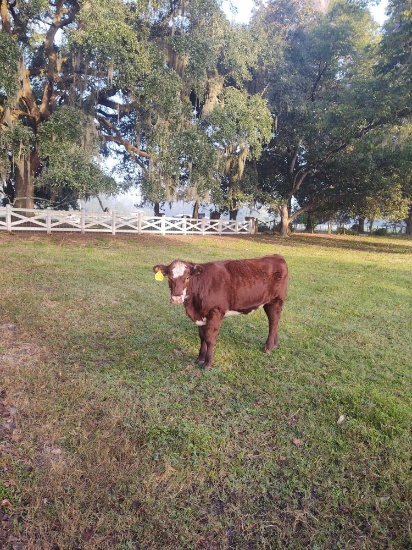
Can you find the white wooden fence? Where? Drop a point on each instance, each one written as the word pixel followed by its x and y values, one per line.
pixel 24 219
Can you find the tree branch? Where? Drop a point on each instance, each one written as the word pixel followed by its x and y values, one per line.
pixel 133 151
pixel 51 53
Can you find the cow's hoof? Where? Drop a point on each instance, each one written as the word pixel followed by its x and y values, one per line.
pixel 207 367
pixel 200 361
pixel 266 350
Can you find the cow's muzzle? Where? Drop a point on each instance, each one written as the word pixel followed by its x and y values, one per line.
pixel 176 299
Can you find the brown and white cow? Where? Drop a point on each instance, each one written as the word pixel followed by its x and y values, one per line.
pixel 214 290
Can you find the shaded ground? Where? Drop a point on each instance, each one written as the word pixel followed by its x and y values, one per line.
pixel 388 244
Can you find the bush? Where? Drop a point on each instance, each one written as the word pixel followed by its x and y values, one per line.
pixel 382 231
pixel 344 231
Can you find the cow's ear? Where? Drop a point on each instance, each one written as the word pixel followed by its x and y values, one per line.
pixel 163 268
pixel 196 269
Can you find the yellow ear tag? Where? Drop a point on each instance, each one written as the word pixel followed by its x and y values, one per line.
pixel 159 276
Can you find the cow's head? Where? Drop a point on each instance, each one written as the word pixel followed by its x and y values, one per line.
pixel 179 274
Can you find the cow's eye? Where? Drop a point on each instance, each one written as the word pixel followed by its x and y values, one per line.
pixel 187 279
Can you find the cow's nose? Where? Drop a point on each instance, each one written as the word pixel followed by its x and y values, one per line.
pixel 176 300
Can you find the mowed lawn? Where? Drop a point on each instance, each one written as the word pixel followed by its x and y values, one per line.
pixel 113 438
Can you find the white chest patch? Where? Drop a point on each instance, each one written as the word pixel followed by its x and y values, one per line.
pixel 178 270
pixel 201 323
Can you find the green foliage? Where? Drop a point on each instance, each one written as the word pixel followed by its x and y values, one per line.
pixel 381 231
pixel 389 203
pixel 241 120
pixel 344 231
pixel 198 39
pixel 396 46
pixel 107 35
pixel 184 165
pixel 326 99
pixel 269 108
pixel 32 10
pixel 16 142
pixel 77 172
pixel 67 127
pixel 9 58
pixel 240 55
pixel 68 142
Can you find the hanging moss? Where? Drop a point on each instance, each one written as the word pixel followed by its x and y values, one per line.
pixel 9 65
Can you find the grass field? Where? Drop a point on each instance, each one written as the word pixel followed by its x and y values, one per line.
pixel 113 438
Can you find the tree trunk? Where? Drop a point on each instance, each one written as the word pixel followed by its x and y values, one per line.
pixel 284 220
pixel 361 224
pixel 310 225
pixel 157 209
pixel 329 227
pixel 408 221
pixel 195 213
pixel 24 186
pixel 233 214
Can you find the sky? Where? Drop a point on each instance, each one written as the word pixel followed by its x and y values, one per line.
pixel 244 8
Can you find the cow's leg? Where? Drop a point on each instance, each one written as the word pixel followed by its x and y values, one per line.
pixel 203 346
pixel 273 311
pixel 211 330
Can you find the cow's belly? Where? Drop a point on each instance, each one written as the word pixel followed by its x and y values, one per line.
pixel 230 313
pixel 233 305
pixel 246 311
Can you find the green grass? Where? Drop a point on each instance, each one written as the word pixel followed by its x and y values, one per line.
pixel 122 442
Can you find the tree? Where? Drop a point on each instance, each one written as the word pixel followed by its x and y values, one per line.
pixel 395 70
pixel 226 123
pixel 60 54
pixel 388 204
pixel 239 125
pixel 323 97
pixel 396 47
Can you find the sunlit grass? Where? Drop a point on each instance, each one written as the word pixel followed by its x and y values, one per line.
pixel 121 441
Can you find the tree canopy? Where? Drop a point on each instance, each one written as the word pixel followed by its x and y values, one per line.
pixel 306 108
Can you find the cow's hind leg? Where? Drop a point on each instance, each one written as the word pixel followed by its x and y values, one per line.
pixel 203 345
pixel 273 311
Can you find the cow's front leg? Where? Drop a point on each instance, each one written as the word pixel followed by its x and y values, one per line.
pixel 273 311
pixel 203 346
pixel 211 330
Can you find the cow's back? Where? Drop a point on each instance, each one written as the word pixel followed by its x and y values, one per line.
pixel 239 285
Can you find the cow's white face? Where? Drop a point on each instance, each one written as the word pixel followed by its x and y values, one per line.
pixel 178 273
pixel 179 276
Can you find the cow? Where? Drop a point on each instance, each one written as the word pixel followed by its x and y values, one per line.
pixel 214 290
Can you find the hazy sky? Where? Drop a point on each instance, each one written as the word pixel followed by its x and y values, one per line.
pixel 244 8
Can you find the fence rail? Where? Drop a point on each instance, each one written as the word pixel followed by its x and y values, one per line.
pixel 50 221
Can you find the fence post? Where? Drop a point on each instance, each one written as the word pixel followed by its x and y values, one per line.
pixel 113 222
pixel 82 221
pixel 203 226
pixel 236 226
pixel 220 227
pixel 184 227
pixel 8 217
pixel 139 222
pixel 48 221
pixel 163 225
